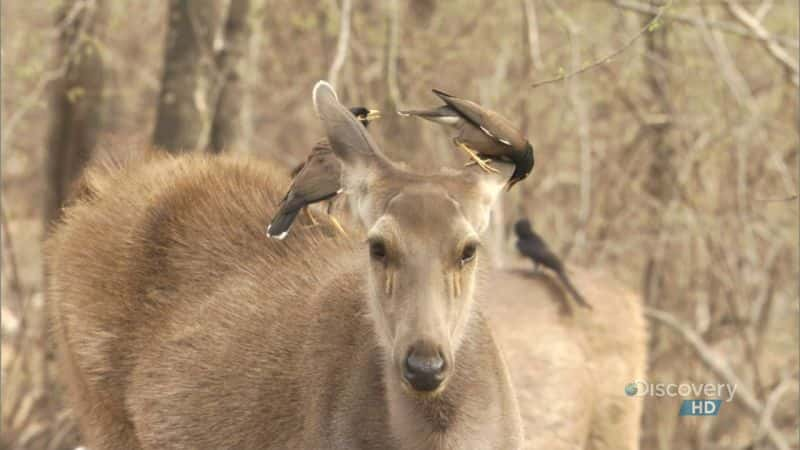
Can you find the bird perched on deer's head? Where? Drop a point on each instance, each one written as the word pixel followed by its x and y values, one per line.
pixel 481 132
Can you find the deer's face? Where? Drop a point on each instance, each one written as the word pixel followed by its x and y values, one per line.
pixel 423 252
pixel 423 242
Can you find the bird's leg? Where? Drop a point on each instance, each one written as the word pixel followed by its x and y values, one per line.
pixel 337 225
pixel 310 217
pixel 482 163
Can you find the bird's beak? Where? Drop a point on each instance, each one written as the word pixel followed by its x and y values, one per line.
pixel 373 114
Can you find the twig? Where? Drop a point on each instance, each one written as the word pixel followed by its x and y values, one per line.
pixel 730 73
pixel 13 268
pixel 726 27
pixel 787 383
pixel 50 76
pixel 31 101
pixel 342 44
pixel 532 30
pixel 585 144
pixel 604 60
pixel 777 52
pixel 722 369
pixel 785 199
pixel 392 42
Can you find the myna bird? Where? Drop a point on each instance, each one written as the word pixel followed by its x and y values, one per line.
pixel 534 247
pixel 315 180
pixel 482 132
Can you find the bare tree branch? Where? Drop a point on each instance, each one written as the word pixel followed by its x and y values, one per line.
pixel 76 104
pixel 11 262
pixel 726 27
pixel 342 44
pixel 785 199
pixel 606 59
pixel 392 43
pixel 722 369
pixel 226 126
pixel 532 28
pixel 189 77
pixel 777 52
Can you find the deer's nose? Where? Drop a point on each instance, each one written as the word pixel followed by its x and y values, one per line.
pixel 424 368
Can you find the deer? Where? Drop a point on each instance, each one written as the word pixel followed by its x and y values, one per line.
pixel 180 325
pixel 569 368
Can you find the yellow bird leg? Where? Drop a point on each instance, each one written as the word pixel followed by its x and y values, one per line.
pixel 310 217
pixel 338 226
pixel 482 163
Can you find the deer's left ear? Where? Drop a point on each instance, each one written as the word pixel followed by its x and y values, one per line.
pixel 363 163
pixel 348 138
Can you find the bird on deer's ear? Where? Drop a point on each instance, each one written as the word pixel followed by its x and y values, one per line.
pixel 315 180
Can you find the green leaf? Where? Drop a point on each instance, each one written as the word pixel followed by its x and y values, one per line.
pixel 654 25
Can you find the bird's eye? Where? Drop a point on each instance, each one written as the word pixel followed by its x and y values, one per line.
pixel 377 250
pixel 468 253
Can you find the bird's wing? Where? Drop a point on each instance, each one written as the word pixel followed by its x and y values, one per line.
pixel 539 253
pixel 503 130
pixel 319 179
pixel 322 146
pixel 470 111
pixel 528 248
pixel 489 122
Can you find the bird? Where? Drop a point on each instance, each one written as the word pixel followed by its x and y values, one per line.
pixel 481 133
pixel 530 244
pixel 315 180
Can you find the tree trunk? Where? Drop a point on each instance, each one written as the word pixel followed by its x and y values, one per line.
pixel 226 129
pixel 76 101
pixel 661 171
pixel 660 177
pixel 187 101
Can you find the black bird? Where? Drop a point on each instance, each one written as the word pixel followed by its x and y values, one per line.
pixel 315 180
pixel 534 247
pixel 482 132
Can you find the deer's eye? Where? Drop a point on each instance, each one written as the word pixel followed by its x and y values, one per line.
pixel 377 250
pixel 468 253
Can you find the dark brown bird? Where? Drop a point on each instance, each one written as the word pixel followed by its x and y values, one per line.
pixel 482 132
pixel 530 244
pixel 315 180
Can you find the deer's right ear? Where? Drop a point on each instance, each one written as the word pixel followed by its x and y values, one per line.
pixel 348 138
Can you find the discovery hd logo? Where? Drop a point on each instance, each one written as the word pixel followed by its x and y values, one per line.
pixel 707 398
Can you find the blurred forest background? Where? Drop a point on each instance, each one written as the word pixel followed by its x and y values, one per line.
pixel 672 163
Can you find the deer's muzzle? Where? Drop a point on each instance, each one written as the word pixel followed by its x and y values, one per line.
pixel 425 367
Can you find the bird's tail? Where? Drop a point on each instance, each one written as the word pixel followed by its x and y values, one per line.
pixel 442 113
pixel 572 291
pixel 418 112
pixel 281 223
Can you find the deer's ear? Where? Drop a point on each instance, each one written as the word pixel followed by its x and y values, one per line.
pixel 362 160
pixel 348 138
pixel 482 191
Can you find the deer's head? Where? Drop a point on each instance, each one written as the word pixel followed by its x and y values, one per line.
pixel 424 246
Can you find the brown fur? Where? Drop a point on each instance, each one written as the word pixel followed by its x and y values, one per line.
pixel 181 326
pixel 569 370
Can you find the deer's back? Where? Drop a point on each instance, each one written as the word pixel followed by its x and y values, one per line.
pixel 167 296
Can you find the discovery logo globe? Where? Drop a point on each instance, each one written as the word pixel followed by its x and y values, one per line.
pixel 631 389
